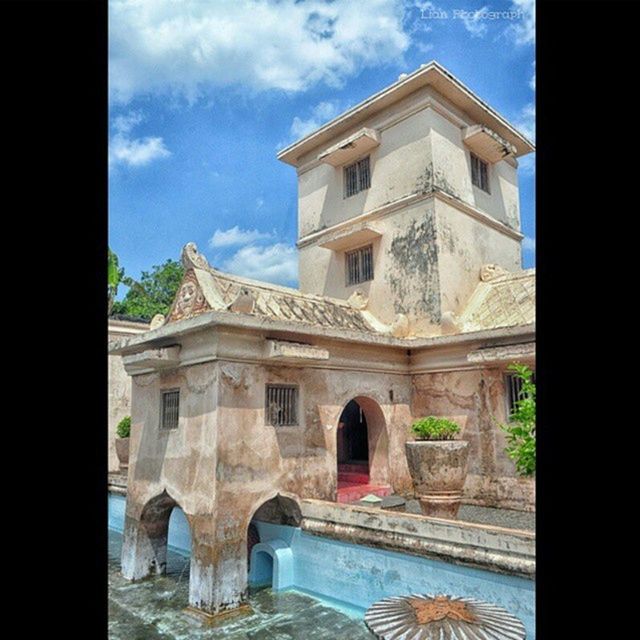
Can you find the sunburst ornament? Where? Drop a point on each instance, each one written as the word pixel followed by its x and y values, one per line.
pixel 441 617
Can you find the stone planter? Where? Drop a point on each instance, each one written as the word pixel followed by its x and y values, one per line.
pixel 438 469
pixel 122 450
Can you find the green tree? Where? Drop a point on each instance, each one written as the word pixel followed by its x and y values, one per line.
pixel 521 429
pixel 153 294
pixel 114 277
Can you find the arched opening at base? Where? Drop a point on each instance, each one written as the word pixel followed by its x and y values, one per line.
pixel 262 570
pixel 362 451
pixel 162 543
pixel 269 535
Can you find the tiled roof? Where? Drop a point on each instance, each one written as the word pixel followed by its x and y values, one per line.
pixel 504 301
pixel 205 288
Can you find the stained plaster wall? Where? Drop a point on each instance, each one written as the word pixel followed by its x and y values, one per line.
pixel 404 254
pixel 476 399
pixel 428 256
pixel 119 386
pixel 464 245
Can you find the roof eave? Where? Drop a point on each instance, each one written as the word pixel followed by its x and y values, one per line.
pixel 424 76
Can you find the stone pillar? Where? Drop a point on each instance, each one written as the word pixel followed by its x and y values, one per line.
pixel 144 549
pixel 146 530
pixel 218 581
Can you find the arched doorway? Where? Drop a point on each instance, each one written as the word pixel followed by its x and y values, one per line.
pixel 269 555
pixel 362 451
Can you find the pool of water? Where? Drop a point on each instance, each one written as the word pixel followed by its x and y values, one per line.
pixel 334 583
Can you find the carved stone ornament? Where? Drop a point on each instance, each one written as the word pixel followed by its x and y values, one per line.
pixel 191 259
pixel 441 617
pixel 400 327
pixel 357 300
pixel 491 271
pixel 449 323
pixel 244 302
pixel 157 321
pixel 189 301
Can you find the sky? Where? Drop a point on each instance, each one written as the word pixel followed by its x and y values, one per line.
pixel 204 93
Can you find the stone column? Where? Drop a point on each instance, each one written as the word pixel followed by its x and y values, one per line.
pixel 218 581
pixel 144 549
pixel 146 530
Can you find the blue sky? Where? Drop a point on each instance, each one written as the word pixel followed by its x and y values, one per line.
pixel 203 94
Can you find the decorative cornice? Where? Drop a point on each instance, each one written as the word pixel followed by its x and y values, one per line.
pixel 407 201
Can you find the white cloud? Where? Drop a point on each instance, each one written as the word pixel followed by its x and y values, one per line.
pixel 526 121
pixel 320 114
pixel 277 263
pixel 134 152
pixel 236 236
pixel 475 23
pixel 529 244
pixel 532 82
pixel 523 28
pixel 186 47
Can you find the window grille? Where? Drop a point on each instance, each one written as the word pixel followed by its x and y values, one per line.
pixel 357 177
pixel 359 265
pixel 281 405
pixel 514 391
pixel 170 409
pixel 479 173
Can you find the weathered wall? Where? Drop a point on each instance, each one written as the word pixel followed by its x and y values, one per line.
pixel 464 246
pixel 119 385
pixel 406 253
pixel 429 253
pixel 396 167
pixel 478 399
pixel 452 173
pixel 256 460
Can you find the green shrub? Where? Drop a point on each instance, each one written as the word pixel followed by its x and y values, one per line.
pixel 521 430
pixel 434 428
pixel 124 427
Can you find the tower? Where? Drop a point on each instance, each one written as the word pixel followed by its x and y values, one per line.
pixel 404 197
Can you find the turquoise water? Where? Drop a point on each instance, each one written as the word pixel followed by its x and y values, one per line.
pixel 349 578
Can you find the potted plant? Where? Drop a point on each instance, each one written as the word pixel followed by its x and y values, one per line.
pixel 438 465
pixel 123 431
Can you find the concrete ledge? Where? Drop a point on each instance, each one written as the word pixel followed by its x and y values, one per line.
pixel 508 551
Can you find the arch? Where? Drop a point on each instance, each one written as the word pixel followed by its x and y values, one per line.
pixel 375 423
pixel 146 542
pixel 279 508
pixel 269 559
pixel 271 565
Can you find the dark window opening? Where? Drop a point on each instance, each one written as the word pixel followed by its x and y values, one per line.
pixel 281 405
pixel 357 177
pixel 359 265
pixel 170 409
pixel 514 391
pixel 479 173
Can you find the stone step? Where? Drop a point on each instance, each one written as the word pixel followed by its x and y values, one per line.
pixel 352 492
pixel 352 476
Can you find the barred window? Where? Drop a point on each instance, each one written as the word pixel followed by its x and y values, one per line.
pixel 281 405
pixel 357 177
pixel 514 391
pixel 359 265
pixel 170 408
pixel 479 173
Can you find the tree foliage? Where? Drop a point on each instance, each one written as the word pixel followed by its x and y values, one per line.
pixel 521 429
pixel 153 294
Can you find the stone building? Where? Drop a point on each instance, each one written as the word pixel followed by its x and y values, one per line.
pixel 119 381
pixel 412 302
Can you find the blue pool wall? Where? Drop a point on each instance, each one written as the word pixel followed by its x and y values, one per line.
pixel 358 576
